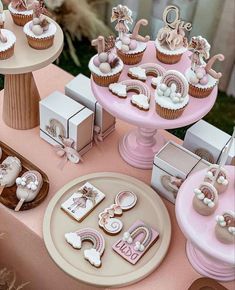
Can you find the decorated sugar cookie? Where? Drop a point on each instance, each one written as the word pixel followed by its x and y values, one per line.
pixel 221 183
pixel 201 77
pixel 82 202
pixel 171 95
pixel 124 201
pixel 141 98
pixel 28 187
pixel 205 200
pixel 225 227
pixel 135 242
pixel 9 170
pixel 142 71
pixel 130 46
pixel 92 255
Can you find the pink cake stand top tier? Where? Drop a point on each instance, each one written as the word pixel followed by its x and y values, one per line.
pixel 200 229
pixel 122 108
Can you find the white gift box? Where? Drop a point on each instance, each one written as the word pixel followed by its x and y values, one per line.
pixel 172 165
pixel 61 117
pixel 208 142
pixel 79 89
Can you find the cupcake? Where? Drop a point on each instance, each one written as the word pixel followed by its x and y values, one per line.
pixel 225 227
pixel 205 200
pixel 221 183
pixel 40 32
pixel 130 47
pixel 171 41
pixel 171 95
pixel 105 67
pixel 201 77
pixel 7 44
pixel 2 16
pixel 21 11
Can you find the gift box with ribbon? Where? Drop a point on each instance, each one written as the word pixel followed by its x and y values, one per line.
pixel 208 142
pixel 67 125
pixel 79 89
pixel 172 165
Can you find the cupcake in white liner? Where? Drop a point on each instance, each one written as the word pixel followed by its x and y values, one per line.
pixel 7 44
pixel 21 11
pixel 130 46
pixel 106 66
pixel 171 94
pixel 40 32
pixel 171 42
pixel 2 16
pixel 201 77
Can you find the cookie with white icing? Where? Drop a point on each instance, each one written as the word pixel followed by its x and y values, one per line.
pixel 205 200
pixel 222 181
pixel 225 227
pixel 9 170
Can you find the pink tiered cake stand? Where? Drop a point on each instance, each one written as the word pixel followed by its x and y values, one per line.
pixel 207 255
pixel 138 147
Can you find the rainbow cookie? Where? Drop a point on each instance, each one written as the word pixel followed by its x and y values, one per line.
pixel 142 71
pixel 124 201
pixel 92 255
pixel 171 95
pixel 136 242
pixel 205 200
pixel 221 183
pixel 141 98
pixel 225 227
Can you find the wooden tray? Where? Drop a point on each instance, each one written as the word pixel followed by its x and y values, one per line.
pixel 8 196
pixel 115 271
pixel 206 284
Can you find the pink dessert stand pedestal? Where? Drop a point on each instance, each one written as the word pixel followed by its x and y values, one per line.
pixel 139 146
pixel 207 255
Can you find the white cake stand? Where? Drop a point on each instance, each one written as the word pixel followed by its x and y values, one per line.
pixel 21 96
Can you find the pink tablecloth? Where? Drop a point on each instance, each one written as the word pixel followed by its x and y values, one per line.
pixel 23 248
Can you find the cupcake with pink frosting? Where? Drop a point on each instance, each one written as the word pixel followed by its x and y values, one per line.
pixel 201 77
pixel 130 46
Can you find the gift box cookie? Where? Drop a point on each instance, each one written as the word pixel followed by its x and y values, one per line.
pixel 62 118
pixel 172 165
pixel 200 139
pixel 79 89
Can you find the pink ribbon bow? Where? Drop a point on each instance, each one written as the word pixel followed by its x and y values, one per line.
pixel 67 152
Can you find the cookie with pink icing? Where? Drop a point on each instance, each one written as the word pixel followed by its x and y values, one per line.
pixel 28 187
pixel 141 98
pixel 142 71
pixel 171 95
pixel 136 242
pixel 205 200
pixel 130 46
pixel 201 76
pixel 222 181
pixel 225 227
pixel 92 255
pixel 124 200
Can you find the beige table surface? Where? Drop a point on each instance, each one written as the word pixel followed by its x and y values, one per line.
pixel 23 247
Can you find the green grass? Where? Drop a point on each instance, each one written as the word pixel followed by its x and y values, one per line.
pixel 222 115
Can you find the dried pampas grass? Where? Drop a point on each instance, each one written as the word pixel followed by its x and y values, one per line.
pixel 78 19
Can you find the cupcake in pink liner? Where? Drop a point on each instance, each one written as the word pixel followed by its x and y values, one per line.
pixel 21 11
pixel 40 32
pixel 130 46
pixel 7 44
pixel 201 77
pixel 2 16
pixel 106 66
pixel 171 95
pixel 171 42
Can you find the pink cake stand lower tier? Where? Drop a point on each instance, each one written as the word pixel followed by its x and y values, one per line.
pixel 139 146
pixel 207 255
